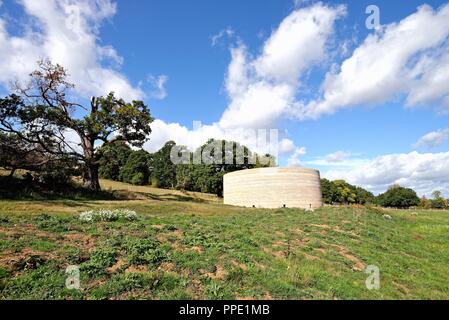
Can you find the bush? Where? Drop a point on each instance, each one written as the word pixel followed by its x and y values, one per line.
pixel 399 197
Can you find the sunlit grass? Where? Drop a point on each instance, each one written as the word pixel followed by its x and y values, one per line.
pixel 190 246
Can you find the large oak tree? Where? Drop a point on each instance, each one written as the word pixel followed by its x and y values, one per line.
pixel 42 113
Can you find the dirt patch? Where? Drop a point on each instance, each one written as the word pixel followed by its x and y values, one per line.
pixel 117 266
pixel 80 239
pixel 167 267
pixel 195 289
pixel 320 250
pixel 136 269
pixel 309 256
pixel 197 249
pixel 358 265
pixel 334 228
pixel 26 259
pixel 218 274
pixel 239 265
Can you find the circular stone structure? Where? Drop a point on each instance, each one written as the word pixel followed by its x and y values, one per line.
pixel 273 188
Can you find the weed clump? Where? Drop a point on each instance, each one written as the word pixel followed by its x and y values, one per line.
pixel 145 251
pixel 50 223
pixel 99 261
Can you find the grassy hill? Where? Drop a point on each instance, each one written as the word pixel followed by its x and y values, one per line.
pixel 191 246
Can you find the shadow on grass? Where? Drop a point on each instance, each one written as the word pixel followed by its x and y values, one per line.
pixel 14 188
pixel 172 197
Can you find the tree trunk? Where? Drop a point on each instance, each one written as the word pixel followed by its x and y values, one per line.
pixel 91 180
pixel 11 174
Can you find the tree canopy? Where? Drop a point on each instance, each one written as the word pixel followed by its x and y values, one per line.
pixel 398 197
pixel 42 114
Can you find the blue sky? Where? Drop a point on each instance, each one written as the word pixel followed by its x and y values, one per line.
pixel 177 56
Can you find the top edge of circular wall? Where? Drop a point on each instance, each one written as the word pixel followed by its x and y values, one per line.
pixel 273 170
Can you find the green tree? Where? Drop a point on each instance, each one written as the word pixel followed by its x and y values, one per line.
pixel 112 157
pixel 438 202
pixel 136 169
pixel 340 191
pixel 329 191
pixel 43 115
pixel 163 170
pixel 398 197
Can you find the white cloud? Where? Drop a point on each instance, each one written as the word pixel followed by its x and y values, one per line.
pixel 286 146
pixel 158 90
pixel 295 159
pixel 261 89
pixel 424 172
pixel 192 139
pixel 227 32
pixel 432 139
pixel 66 31
pixel 337 160
pixel 338 156
pixel 400 58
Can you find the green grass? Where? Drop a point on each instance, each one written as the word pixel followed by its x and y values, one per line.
pixel 190 246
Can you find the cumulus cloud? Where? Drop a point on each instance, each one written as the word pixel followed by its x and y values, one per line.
pixel 424 172
pixel 401 58
pixel 432 139
pixel 66 32
pixel 261 89
pixel 295 159
pixel 261 141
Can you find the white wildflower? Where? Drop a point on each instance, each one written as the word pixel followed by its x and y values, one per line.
pixel 108 215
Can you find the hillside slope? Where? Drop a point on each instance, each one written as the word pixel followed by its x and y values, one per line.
pixel 190 246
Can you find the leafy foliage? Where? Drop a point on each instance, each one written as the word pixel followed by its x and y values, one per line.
pixel 136 169
pixel 42 115
pixel 340 191
pixel 398 197
pixel 112 157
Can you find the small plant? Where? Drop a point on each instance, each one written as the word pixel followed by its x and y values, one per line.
pixel 99 261
pixel 108 215
pixel 145 251
pixel 53 223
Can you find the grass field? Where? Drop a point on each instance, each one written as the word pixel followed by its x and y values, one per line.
pixel 190 246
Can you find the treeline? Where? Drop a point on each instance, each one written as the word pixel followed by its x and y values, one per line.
pixel 341 192
pixel 120 163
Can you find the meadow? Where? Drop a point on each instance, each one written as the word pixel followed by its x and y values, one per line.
pixel 188 245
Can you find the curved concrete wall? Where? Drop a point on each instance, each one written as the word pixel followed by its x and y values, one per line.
pixel 273 188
